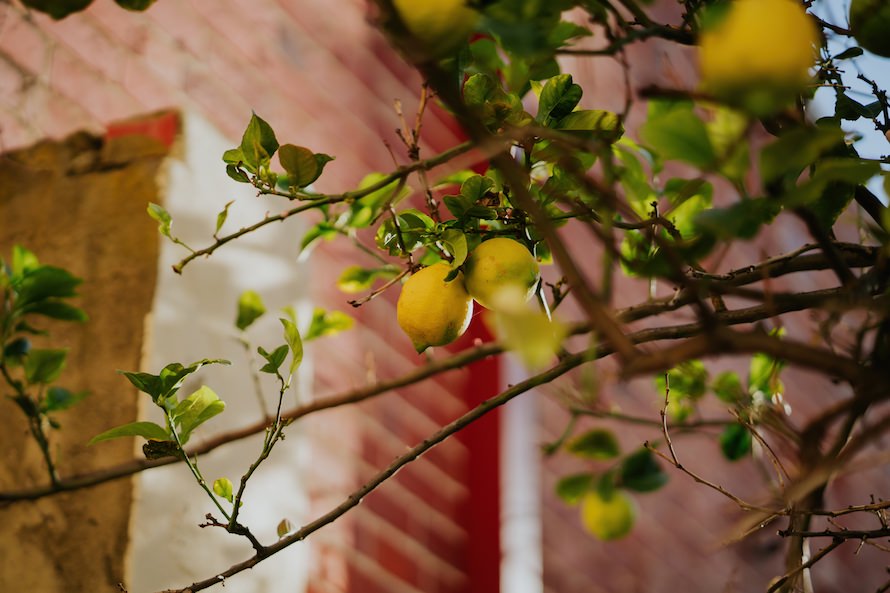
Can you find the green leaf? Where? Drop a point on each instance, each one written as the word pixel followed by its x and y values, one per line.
pixel 742 220
pixel 688 380
pixel 572 488
pixel 323 230
pixel 850 52
pixel 223 488
pixel 196 409
pixel 300 164
pixel 475 188
pixel 365 209
pixel 234 156
pixel 689 198
pixel 59 398
pixel 57 9
pixel 160 214
pixel 16 350
pixel 56 310
pixel 284 527
pixel 595 444
pixel 558 98
pixel 292 338
pixel 325 323
pixel 596 122
pixel 355 279
pixel 763 374
pixel 640 471
pixel 735 442
pixel 222 216
pixel 135 5
pixel 235 172
pixel 728 387
pixel 169 380
pixel 23 261
pixel 455 242
pixel 45 282
pixel 274 359
pixel 680 135
pixel 44 366
pixel 797 149
pixel 258 143
pixel 148 430
pixel 250 308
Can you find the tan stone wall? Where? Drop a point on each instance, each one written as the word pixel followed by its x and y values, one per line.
pixel 80 204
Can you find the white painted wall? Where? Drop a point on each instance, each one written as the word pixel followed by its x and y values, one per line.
pixel 194 318
pixel 522 558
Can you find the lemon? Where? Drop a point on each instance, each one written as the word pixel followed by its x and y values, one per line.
pixel 870 23
pixel 759 55
pixel 431 311
pixel 498 264
pixel 608 518
pixel 436 27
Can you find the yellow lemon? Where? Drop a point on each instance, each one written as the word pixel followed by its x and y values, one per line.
pixel 436 27
pixel 608 518
pixel 870 23
pixel 431 311
pixel 759 54
pixel 498 264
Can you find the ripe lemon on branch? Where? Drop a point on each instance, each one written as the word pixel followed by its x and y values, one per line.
pixel 757 55
pixel 497 264
pixel 431 311
pixel 608 517
pixel 428 30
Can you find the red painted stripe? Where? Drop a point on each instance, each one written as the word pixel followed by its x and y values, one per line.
pixel 482 513
pixel 163 127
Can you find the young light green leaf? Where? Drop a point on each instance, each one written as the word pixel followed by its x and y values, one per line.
pixel 23 260
pixel 199 407
pixel 160 214
pixel 148 430
pixel 223 488
pixel 300 164
pixel 325 323
pixel 258 143
pixel 595 444
pixel 44 365
pixel 592 122
pixel 284 527
pixel 728 387
pixel 222 216
pixel 294 342
pixel 274 359
pixel 250 308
